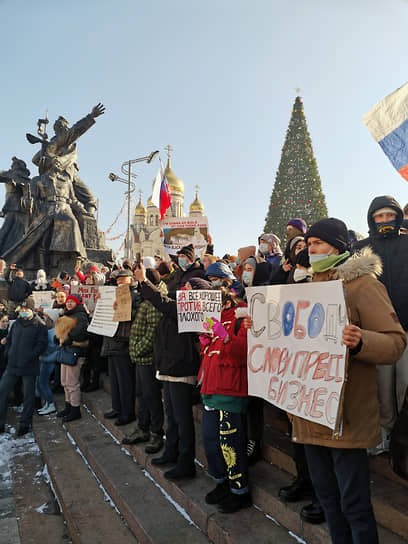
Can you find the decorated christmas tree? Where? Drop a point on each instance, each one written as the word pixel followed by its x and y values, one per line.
pixel 298 189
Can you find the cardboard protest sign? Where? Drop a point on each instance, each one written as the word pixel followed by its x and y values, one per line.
pixel 88 294
pixel 102 320
pixel 296 359
pixel 123 301
pixel 43 299
pixel 178 232
pixel 197 309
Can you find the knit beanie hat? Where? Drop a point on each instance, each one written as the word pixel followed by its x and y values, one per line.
pixel 164 268
pixel 270 239
pixel 330 230
pixel 188 251
pixel 298 223
pixel 153 275
pixel 252 262
pixel 199 283
pixel 294 241
pixel 76 298
pixel 149 262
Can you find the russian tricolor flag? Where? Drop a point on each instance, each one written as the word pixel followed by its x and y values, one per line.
pixel 161 194
pixel 388 123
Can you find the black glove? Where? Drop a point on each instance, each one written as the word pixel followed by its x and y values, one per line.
pixel 56 340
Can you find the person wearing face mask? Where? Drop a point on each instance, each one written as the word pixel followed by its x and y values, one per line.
pixel 255 272
pixel 337 460
pixel 218 272
pixel 26 341
pixel 189 268
pixel 269 249
pixel 384 218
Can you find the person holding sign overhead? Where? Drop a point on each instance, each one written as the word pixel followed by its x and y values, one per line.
pixel 337 460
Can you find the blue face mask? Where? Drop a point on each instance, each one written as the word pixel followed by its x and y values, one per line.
pixel 216 283
pixel 182 261
pixel 246 277
pixel 386 228
pixel 232 265
pixel 25 314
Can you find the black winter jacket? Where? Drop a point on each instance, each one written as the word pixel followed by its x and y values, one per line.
pixel 119 344
pixel 174 354
pixel 19 289
pixel 196 270
pixel 393 250
pixel 27 340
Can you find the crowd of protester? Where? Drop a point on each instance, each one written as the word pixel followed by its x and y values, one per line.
pixel 157 373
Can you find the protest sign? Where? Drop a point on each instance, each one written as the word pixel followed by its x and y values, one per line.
pixel 196 310
pixel 88 294
pixel 296 359
pixel 102 319
pixel 123 301
pixel 178 232
pixel 43 299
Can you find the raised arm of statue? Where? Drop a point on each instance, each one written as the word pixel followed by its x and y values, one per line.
pixel 80 127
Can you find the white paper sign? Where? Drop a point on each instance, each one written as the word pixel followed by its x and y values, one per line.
pixel 177 232
pixel 88 294
pixel 102 320
pixel 43 299
pixel 296 359
pixel 196 309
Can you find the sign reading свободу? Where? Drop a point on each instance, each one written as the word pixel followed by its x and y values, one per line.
pixel 296 359
pixel 196 309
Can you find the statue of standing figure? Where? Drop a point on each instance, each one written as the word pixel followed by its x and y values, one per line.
pixel 17 209
pixel 60 198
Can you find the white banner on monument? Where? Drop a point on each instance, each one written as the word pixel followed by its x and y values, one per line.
pixel 296 359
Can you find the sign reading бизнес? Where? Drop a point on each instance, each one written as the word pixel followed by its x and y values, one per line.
pixel 296 359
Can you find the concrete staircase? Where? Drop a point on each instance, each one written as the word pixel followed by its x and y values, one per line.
pixel 112 493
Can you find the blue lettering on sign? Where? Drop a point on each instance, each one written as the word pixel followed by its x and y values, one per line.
pixel 316 320
pixel 288 317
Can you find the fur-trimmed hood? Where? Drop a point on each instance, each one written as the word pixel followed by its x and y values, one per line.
pixel 63 326
pixel 359 264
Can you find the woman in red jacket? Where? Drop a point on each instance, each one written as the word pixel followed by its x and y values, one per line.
pixel 224 390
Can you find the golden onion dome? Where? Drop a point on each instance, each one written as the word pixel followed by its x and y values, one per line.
pixel 176 185
pixel 196 206
pixel 150 202
pixel 140 209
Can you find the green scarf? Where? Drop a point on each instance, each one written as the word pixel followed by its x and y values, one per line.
pixel 329 262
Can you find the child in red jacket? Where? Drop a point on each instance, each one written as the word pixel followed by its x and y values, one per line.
pixel 224 390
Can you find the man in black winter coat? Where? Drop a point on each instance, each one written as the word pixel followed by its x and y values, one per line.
pixel 385 218
pixel 27 340
pixel 19 289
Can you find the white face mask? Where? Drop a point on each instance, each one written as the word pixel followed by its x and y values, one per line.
pixel 263 248
pixel 246 277
pixel 300 274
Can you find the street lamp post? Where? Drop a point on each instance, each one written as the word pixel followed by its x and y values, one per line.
pixel 126 168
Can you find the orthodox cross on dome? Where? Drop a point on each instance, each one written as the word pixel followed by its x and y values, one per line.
pixel 140 193
pixel 168 149
pixel 196 190
pixel 298 90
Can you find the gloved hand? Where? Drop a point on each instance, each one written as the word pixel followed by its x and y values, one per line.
pixel 56 341
pixel 204 340
pixel 219 329
pixel 67 342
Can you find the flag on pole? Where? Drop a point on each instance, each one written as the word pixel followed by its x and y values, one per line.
pixel 388 123
pixel 161 195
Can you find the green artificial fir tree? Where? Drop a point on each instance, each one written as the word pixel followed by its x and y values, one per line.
pixel 298 188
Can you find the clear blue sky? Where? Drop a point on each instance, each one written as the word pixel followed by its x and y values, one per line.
pixel 216 80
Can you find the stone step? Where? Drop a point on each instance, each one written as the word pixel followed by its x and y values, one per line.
pixel 29 512
pixel 148 512
pixel 265 480
pixel 248 525
pixel 89 516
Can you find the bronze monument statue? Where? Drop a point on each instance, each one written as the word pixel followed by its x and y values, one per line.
pixel 63 207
